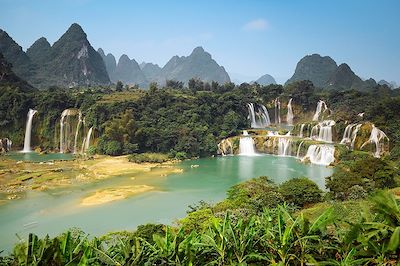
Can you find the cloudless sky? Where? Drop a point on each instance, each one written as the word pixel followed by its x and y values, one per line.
pixel 249 38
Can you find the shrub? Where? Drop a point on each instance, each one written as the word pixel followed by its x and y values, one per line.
pixel 148 158
pixel 256 194
pixel 181 155
pixel 369 173
pixel 148 230
pixel 300 191
pixel 130 148
pixel 113 148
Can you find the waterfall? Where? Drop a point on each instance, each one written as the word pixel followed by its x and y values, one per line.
pixel 299 149
pixel 284 146
pixel 65 128
pixel 376 137
pixel 321 104
pixel 259 118
pixel 246 145
pixel 301 130
pixel 78 126
pixel 28 130
pixel 320 154
pixel 89 134
pixel 277 111
pixel 323 131
pixel 347 134
pixel 354 135
pixel 289 116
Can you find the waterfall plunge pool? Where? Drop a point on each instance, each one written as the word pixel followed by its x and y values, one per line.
pixel 37 157
pixel 54 211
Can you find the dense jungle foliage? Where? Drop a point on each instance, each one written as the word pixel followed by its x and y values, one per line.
pixel 189 120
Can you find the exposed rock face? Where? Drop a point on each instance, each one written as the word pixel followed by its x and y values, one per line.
pixel 129 72
pixel 315 68
pixel 75 62
pixel 266 80
pixel 199 64
pixel 70 61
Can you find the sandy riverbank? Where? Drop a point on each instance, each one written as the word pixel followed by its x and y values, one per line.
pixel 18 177
pixel 113 194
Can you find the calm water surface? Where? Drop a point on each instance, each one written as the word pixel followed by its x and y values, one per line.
pixel 54 211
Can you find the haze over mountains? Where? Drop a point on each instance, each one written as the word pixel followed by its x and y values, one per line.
pixel 72 61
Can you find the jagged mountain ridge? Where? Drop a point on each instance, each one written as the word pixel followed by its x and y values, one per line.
pixel 199 64
pixel 71 61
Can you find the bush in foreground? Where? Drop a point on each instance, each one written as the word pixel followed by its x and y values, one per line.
pixel 300 191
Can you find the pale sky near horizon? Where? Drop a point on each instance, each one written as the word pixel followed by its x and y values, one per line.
pixel 249 38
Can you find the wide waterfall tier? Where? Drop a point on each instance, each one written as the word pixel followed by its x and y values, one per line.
pixel 284 146
pixel 258 115
pixel 323 131
pixel 321 154
pixel 289 116
pixel 246 145
pixel 72 131
pixel 320 110
pixel 28 131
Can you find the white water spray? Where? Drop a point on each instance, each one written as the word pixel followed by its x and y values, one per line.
pixel 321 107
pixel 284 146
pixel 277 111
pixel 246 145
pixel 28 130
pixel 320 154
pixel 289 116
pixel 378 138
pixel 301 130
pixel 259 117
pixel 89 134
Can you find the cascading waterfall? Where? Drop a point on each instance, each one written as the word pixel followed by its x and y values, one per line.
pixel 323 131
pixel 78 127
pixel 246 145
pixel 347 134
pixel 321 107
pixel 301 130
pixel 289 116
pixel 259 118
pixel 277 111
pixel 320 154
pixel 89 134
pixel 284 146
pixel 354 135
pixel 28 130
pixel 376 137
pixel 65 128
pixel 299 149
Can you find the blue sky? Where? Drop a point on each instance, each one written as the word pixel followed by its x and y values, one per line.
pixel 249 38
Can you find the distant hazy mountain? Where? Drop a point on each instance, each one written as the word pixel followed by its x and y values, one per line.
pixel 199 64
pixel 315 68
pixel 151 71
pixel 391 84
pixel 344 78
pixel 266 80
pixel 8 77
pixel 129 72
pixel 109 61
pixel 70 61
pixel 323 72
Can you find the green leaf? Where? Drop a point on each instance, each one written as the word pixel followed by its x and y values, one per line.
pixel 394 241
